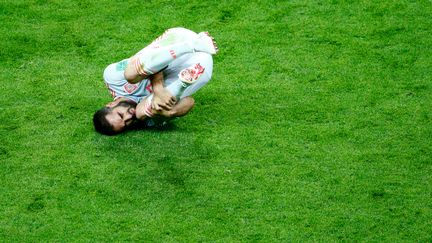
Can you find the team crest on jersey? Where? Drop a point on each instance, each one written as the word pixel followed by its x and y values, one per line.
pixel 130 88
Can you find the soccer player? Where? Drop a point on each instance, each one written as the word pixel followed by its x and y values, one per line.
pixel 156 83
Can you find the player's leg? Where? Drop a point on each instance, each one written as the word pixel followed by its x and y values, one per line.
pixel 187 77
pixel 206 61
pixel 181 108
pixel 172 44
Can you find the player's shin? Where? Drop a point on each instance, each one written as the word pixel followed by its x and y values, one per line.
pixel 177 88
pixel 153 60
pixel 187 77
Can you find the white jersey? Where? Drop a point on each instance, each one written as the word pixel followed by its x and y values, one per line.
pixel 120 87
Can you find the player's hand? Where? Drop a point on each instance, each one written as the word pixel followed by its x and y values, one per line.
pixel 163 100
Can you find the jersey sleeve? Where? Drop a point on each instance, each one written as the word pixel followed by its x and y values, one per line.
pixel 119 87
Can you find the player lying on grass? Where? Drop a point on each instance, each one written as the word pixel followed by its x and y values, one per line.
pixel 156 84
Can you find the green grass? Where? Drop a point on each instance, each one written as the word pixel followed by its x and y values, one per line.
pixel 316 125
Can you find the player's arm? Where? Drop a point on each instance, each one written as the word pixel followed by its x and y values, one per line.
pixel 180 109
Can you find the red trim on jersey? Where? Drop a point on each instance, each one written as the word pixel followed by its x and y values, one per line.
pixel 149 88
pixel 113 93
pixel 173 54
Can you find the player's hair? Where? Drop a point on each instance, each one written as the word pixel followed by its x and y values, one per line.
pixel 101 124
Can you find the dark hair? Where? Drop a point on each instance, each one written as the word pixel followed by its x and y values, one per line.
pixel 101 124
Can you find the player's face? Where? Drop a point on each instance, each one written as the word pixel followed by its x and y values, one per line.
pixel 122 115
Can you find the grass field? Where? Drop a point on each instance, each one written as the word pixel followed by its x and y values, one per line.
pixel 316 125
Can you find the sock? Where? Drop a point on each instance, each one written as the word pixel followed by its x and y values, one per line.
pixel 153 60
pixel 176 89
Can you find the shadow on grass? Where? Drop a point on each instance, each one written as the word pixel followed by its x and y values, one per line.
pixel 159 162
